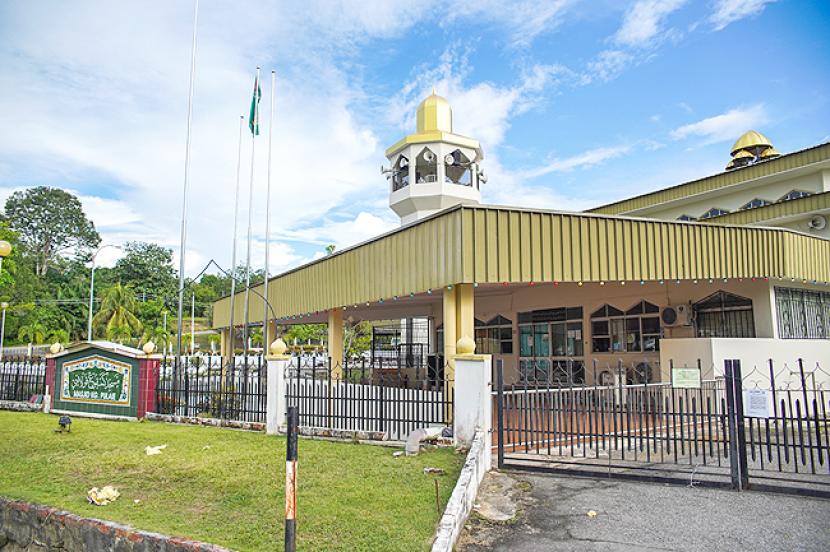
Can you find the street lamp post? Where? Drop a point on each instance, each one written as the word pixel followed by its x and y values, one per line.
pixel 3 306
pixel 92 289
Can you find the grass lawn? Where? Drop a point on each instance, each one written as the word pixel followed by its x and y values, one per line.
pixel 225 486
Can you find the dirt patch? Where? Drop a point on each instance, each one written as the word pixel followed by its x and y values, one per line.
pixel 502 500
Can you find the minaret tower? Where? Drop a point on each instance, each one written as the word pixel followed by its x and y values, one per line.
pixel 433 169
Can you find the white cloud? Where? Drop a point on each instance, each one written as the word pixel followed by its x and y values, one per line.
pixel 726 126
pixel 525 19
pixel 729 11
pixel 583 160
pixel 108 86
pixel 608 65
pixel 643 23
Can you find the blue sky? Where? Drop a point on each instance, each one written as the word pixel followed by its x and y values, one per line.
pixel 575 103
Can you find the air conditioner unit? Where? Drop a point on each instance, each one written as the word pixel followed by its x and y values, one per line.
pixel 677 315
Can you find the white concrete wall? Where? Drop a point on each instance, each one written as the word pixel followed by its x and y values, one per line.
pixel 754 354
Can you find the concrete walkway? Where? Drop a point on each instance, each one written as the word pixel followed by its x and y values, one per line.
pixel 555 513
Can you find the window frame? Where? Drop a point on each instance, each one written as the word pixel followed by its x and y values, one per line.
pixel 622 323
pixel 731 317
pixel 809 308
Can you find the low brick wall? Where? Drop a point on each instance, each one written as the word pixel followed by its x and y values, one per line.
pixel 20 406
pixel 26 527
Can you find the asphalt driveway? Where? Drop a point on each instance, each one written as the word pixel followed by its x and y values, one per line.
pixel 556 513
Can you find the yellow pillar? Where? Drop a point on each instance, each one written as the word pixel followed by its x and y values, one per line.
pixel 450 336
pixel 465 307
pixel 336 341
pixel 225 345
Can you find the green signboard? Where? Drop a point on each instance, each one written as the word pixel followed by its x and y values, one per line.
pixel 96 379
pixel 685 378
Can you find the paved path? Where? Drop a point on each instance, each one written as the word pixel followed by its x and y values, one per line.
pixel 553 516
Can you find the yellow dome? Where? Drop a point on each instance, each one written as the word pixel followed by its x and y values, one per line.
pixel 770 152
pixel 751 139
pixel 730 165
pixel 743 154
pixel 434 114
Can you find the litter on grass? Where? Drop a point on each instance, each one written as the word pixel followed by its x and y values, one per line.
pixel 152 451
pixel 102 496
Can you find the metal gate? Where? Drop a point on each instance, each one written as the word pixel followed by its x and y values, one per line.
pixel 700 436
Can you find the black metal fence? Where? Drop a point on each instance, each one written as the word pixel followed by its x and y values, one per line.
pixel 22 378
pixel 370 397
pixel 213 387
pixel 760 430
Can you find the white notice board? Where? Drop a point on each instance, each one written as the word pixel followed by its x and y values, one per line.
pixel 757 403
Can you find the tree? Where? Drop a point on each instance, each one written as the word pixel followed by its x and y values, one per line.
pixel 148 269
pixel 33 332
pixel 357 338
pixel 59 335
pixel 303 332
pixel 50 222
pixel 116 315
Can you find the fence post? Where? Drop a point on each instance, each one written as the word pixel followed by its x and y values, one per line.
pixel 291 482
pixel 737 432
pixel 473 395
pixel 275 408
pixel 500 411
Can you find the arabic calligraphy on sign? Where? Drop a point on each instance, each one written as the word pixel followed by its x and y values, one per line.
pixel 96 379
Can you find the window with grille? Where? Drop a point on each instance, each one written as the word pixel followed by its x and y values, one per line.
pixel 795 194
pixel 724 314
pixel 635 330
pixel 754 204
pixel 714 212
pixel 495 336
pixel 802 314
pixel 551 346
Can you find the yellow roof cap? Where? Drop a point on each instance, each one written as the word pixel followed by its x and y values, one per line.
pixel 434 113
pixel 770 152
pixel 750 139
pixel 743 153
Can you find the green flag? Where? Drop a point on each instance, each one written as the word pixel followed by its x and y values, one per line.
pixel 253 119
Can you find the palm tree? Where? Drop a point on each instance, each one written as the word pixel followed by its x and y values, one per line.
pixel 33 332
pixel 119 333
pixel 116 314
pixel 158 336
pixel 59 335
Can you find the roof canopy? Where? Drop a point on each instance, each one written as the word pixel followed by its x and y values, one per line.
pixel 487 244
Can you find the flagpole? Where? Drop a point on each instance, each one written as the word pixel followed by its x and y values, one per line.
pixel 255 123
pixel 265 336
pixel 235 226
pixel 183 245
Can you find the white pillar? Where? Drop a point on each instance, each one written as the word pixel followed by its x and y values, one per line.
pixel 276 403
pixel 473 398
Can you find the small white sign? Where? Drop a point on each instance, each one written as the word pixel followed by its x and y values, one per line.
pixel 757 403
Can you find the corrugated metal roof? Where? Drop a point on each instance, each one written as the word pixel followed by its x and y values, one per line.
pixel 489 244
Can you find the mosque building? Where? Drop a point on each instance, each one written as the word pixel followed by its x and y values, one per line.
pixel 734 265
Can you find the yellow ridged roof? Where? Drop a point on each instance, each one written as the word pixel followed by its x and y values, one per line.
pixel 750 139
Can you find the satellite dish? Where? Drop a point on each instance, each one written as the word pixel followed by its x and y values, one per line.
pixel 482 177
pixel 429 157
pixel 818 222
pixel 403 162
pixel 449 159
